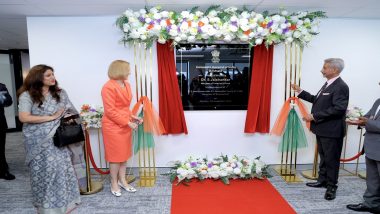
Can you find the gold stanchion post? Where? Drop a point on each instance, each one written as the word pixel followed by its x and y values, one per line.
pixel 92 186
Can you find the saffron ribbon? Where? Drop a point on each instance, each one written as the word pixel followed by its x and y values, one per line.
pixel 279 126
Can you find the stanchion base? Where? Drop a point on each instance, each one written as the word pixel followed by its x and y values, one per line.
pixel 130 178
pixel 345 172
pixel 309 174
pixel 95 188
pixel 147 181
pixel 288 175
pixel 362 175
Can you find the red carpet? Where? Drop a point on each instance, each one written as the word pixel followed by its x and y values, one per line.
pixel 241 196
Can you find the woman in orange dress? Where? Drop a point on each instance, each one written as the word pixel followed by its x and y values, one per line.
pixel 118 123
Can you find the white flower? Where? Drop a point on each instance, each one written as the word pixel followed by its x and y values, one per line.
pixel 237 171
pixel 142 11
pixel 260 29
pixel 284 13
pixel 229 169
pixel 276 18
pixel 126 27
pixel 153 10
pixel 161 40
pixel 185 14
pixel 233 28
pixel 289 40
pixel 163 23
pixel 296 34
pixel 233 19
pixel 199 13
pixel 245 14
pixel 212 13
pixel 143 37
pixel 283 26
pixel 227 38
pixel 128 13
pixel 203 172
pixel 157 16
pixel 173 32
pixel 148 20
pixel 223 173
pixel 258 41
pixel 164 14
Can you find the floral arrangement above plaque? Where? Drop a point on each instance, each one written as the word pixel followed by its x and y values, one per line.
pixel 218 24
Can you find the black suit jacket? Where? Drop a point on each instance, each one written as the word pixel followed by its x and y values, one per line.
pixel 7 102
pixel 329 109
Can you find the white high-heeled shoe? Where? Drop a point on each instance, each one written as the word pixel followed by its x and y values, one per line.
pixel 128 189
pixel 116 193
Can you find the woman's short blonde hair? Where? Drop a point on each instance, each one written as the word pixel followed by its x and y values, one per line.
pixel 118 70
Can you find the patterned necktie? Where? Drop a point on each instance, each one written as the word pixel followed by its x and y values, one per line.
pixel 322 89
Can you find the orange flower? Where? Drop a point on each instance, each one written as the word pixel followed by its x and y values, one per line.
pixel 263 24
pixel 247 32
pixel 85 107
pixel 189 23
pixel 293 27
pixel 200 24
pixel 168 22
pixel 150 26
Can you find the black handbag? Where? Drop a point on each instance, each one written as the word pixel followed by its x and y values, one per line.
pixel 68 132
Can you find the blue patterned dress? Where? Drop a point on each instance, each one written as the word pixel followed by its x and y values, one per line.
pixel 54 183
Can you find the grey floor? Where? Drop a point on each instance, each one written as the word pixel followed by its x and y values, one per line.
pixel 15 196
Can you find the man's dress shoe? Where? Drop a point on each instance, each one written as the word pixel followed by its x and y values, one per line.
pixel 7 176
pixel 359 207
pixel 316 184
pixel 330 193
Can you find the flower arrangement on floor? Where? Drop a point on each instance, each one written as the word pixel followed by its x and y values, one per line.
pixel 91 115
pixel 353 113
pixel 222 167
pixel 218 24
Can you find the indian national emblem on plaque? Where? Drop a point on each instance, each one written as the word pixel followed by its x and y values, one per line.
pixel 215 56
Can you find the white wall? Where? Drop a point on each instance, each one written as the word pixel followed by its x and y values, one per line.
pixel 81 48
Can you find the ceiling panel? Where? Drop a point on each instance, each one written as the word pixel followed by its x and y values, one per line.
pixel 13 13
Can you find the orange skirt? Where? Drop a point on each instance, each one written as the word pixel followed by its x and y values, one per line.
pixel 117 142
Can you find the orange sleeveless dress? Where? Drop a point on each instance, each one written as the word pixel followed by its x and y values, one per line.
pixel 117 135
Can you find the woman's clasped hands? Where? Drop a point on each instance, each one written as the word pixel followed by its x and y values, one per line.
pixel 135 122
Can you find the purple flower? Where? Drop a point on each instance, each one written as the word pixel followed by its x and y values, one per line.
pixel 209 165
pixel 158 20
pixel 141 19
pixel 199 29
pixel 193 164
pixel 92 110
pixel 168 28
pixel 270 24
pixel 234 23
pixel 285 30
pixel 151 22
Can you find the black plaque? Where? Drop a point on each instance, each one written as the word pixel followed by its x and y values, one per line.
pixel 213 77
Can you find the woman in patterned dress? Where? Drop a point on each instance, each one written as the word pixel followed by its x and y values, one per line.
pixel 117 124
pixel 41 105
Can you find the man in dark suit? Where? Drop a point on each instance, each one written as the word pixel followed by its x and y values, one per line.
pixel 371 197
pixel 5 101
pixel 328 123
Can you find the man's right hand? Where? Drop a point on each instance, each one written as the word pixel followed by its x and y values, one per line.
pixel 295 87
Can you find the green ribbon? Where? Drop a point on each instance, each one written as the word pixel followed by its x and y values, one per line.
pixel 294 134
pixel 141 139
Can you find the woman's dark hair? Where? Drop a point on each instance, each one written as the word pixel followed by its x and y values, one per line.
pixel 33 84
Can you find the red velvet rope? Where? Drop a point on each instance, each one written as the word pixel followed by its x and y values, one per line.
pixel 353 158
pixel 89 153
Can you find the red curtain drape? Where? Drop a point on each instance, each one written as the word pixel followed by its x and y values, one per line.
pixel 258 112
pixel 170 104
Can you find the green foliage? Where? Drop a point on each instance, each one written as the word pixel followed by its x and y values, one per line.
pixel 211 8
